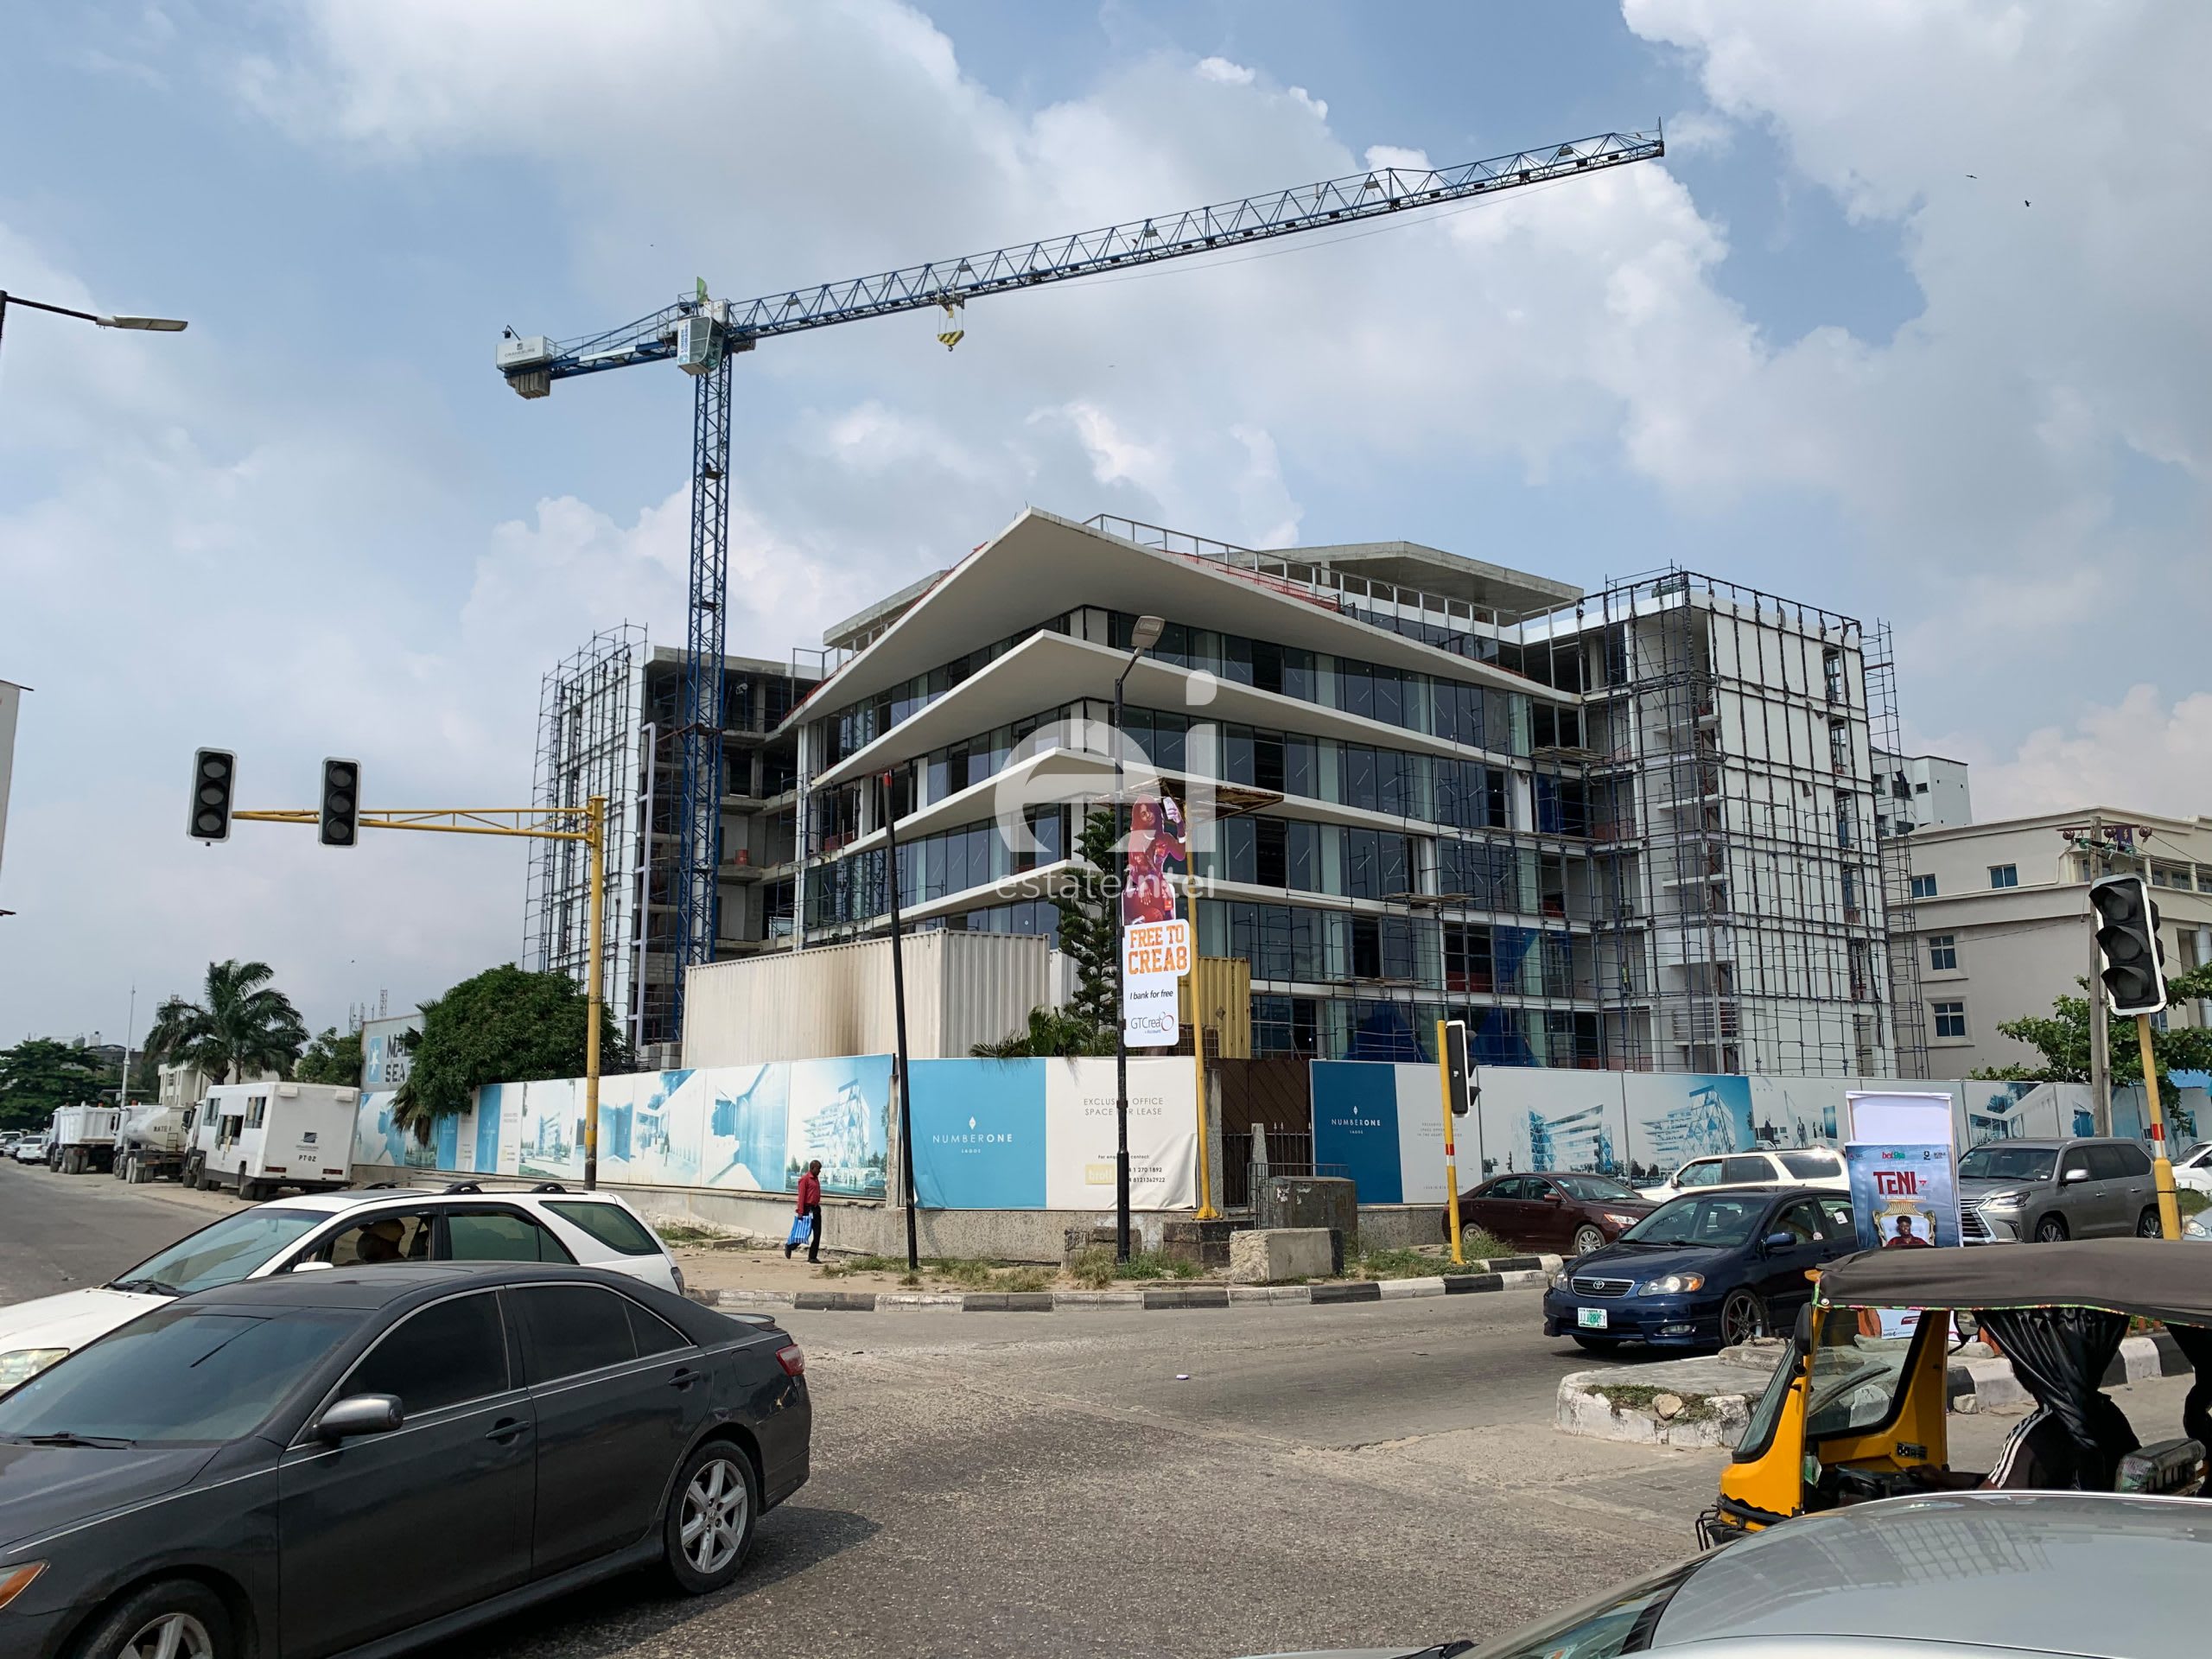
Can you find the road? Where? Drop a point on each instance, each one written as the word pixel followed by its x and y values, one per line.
pixel 63 1232
pixel 1172 1483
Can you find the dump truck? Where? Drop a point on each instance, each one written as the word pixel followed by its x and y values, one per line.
pixel 84 1138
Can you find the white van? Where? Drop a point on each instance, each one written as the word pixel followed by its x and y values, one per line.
pixel 259 1136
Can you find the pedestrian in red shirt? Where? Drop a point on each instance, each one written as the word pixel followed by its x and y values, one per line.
pixel 809 1205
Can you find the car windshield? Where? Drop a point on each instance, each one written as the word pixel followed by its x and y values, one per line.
pixel 1594 1189
pixel 1719 1218
pixel 1601 1628
pixel 222 1254
pixel 180 1374
pixel 1999 1162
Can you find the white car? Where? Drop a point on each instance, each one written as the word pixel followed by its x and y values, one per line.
pixel 1813 1166
pixel 462 1223
pixel 31 1149
pixel 2193 1168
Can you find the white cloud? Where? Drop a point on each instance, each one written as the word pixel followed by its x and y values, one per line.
pixel 2141 753
pixel 1976 467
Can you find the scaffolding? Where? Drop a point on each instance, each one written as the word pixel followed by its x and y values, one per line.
pixel 1745 923
pixel 587 741
pixel 1908 1014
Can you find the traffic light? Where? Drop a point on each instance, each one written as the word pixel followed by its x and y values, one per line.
pixel 214 779
pixel 340 821
pixel 1455 1065
pixel 2128 936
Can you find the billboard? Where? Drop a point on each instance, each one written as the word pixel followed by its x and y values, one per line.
pixel 1155 926
pixel 1903 1197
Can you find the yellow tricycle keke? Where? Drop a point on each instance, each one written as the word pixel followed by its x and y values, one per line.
pixel 1852 1415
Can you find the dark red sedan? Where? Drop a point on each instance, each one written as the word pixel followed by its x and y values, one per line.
pixel 1566 1212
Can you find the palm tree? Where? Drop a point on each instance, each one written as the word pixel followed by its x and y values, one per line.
pixel 241 1026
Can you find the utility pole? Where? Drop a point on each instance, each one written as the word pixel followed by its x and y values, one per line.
pixel 2092 842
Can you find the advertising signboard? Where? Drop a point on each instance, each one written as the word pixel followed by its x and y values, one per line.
pixel 1155 929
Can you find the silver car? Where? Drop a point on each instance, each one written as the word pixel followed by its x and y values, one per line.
pixel 1955 1575
pixel 2047 1191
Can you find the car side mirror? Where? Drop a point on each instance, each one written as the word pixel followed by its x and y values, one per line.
pixel 1553 1198
pixel 2073 1175
pixel 1782 1241
pixel 358 1414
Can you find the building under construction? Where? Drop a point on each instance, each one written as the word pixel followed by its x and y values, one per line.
pixel 1633 828
pixel 606 721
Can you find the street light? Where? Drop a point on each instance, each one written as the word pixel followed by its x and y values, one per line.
pixel 1142 638
pixel 148 325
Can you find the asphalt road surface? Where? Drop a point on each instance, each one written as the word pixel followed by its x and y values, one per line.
pixel 1195 1483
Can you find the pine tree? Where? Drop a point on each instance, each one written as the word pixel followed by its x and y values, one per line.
pixel 1087 930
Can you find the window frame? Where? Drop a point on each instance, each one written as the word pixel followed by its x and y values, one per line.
pixel 1950 1010
pixel 337 1390
pixel 2003 877
pixel 1943 953
pixel 441 1241
pixel 1922 886
pixel 529 1347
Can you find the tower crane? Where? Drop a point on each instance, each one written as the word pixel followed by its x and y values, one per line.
pixel 701 336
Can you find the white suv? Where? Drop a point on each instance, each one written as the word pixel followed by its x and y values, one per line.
pixel 1813 1166
pixel 462 1223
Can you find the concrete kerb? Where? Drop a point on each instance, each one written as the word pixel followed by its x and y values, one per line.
pixel 1711 1397
pixel 1185 1297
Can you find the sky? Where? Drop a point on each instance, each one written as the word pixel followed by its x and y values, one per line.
pixel 1908 324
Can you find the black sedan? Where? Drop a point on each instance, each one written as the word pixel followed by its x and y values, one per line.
pixel 1705 1270
pixel 367 1458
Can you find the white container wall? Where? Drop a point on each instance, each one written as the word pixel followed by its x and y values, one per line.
pixel 962 990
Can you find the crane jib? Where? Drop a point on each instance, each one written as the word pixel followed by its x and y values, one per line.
pixel 1370 195
pixel 701 334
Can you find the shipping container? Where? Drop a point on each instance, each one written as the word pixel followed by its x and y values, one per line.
pixel 962 990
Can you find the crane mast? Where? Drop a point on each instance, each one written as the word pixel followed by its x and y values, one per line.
pixel 702 334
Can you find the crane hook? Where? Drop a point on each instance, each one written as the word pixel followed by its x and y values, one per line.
pixel 950 335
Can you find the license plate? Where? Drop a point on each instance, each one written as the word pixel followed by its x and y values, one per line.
pixel 1590 1318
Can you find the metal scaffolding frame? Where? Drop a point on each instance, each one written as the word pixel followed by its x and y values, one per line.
pixel 1908 1014
pixel 588 717
pixel 1748 918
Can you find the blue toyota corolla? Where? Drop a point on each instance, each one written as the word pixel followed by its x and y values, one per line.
pixel 1706 1271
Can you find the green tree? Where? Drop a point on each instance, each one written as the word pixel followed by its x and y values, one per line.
pixel 240 1025
pixel 506 1025
pixel 1051 1032
pixel 1087 906
pixel 41 1075
pixel 331 1059
pixel 2061 1038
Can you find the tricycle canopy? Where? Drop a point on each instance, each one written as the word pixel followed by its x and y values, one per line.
pixel 2149 1278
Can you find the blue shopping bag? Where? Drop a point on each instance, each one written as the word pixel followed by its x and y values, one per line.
pixel 802 1231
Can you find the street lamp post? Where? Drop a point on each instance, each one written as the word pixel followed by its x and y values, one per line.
pixel 1141 639
pixel 149 325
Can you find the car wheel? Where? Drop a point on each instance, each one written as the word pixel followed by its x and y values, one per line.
pixel 2051 1230
pixel 2147 1225
pixel 173 1619
pixel 1743 1316
pixel 1588 1238
pixel 711 1517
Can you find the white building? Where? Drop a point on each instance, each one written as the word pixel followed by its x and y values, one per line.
pixel 1627 830
pixel 1920 792
pixel 2000 918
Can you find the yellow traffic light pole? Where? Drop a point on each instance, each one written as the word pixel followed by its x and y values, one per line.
pixel 1451 1147
pixel 2162 1169
pixel 529 823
